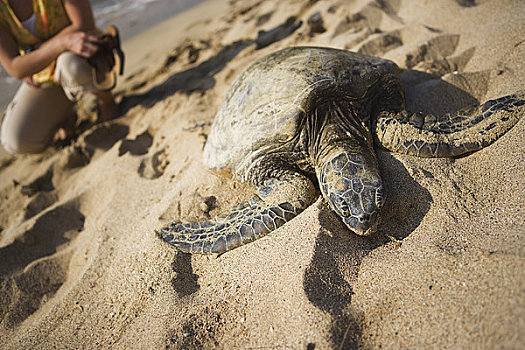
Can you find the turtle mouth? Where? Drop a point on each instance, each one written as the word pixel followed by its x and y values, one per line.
pixel 362 226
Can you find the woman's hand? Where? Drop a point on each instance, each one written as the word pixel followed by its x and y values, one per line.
pixel 72 38
pixel 81 43
pixel 29 81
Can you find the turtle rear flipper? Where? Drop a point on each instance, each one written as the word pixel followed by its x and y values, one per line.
pixel 451 134
pixel 279 201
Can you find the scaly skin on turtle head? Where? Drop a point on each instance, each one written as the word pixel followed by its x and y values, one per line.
pixel 346 164
pixel 354 190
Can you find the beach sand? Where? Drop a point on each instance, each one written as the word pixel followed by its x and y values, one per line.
pixel 81 267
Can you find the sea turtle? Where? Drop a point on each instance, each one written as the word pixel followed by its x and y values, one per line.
pixel 312 113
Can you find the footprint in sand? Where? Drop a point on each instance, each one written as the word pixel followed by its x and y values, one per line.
pixel 186 54
pixel 418 48
pixel 412 45
pixel 153 167
pixel 316 24
pixel 42 192
pixel 265 38
pixel 24 293
pixel 76 157
pixel 104 136
pixel 201 330
pixel 262 19
pixel 379 44
pixel 192 205
pixel 352 30
pixel 466 3
pixel 138 146
pixel 52 229
pixel 350 24
pixel 43 183
pixel 35 265
pixel 431 55
pixel 40 202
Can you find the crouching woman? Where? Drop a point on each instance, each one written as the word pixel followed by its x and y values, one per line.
pixel 53 46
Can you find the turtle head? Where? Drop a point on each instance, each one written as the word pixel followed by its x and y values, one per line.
pixel 352 185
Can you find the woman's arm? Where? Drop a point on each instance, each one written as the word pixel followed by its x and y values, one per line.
pixel 81 17
pixel 72 38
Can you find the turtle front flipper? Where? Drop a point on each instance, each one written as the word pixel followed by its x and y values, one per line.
pixel 451 134
pixel 278 202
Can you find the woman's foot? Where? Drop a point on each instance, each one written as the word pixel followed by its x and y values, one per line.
pixel 107 108
pixel 67 127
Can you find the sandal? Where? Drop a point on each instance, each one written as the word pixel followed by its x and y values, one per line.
pixel 108 60
pixel 113 32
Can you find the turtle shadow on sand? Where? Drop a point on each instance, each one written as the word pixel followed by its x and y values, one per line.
pixel 338 253
pixel 429 94
pixel 185 281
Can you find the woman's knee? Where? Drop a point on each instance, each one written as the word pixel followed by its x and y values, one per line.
pixel 14 143
pixel 33 117
pixel 73 69
pixel 19 146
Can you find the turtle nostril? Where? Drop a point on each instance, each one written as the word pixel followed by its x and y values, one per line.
pixel 364 218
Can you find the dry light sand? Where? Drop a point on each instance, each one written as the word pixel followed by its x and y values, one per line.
pixel 81 267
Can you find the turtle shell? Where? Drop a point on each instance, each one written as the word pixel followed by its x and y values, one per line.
pixel 267 102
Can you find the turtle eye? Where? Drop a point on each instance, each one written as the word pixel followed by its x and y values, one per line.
pixel 380 197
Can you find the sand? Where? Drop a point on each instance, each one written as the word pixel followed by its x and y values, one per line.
pixel 81 267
